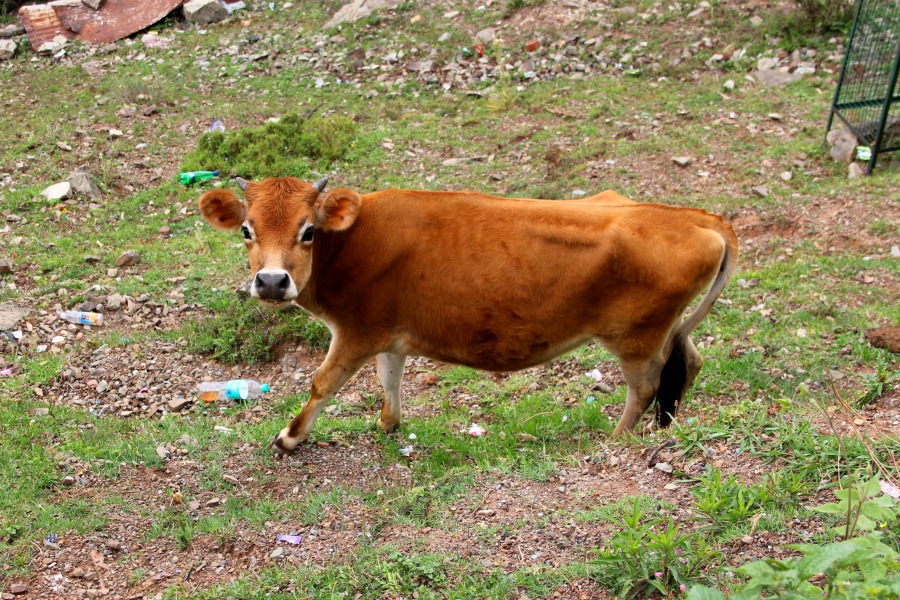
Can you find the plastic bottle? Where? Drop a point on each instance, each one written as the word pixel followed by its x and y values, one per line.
pixel 236 389
pixel 81 318
pixel 190 177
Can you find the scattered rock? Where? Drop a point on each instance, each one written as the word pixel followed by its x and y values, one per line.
pixel 92 259
pixel 102 386
pixel 82 182
pixel 163 452
pixel 359 9
pixel 114 545
pixel 231 479
pixel 95 4
pixel 177 404
pixel 843 144
pixel 165 230
pixel 77 573
pixel 776 78
pixel 68 480
pixel 855 171
pixel 7 49
pixel 427 379
pixel 614 461
pixel 664 467
pixel 526 437
pixel 204 11
pixel 786 176
pixel 114 301
pixel 18 588
pixel 670 486
pixel 729 84
pixel 213 502
pixel 760 191
pixel 57 191
pixel 115 133
pixel 128 259
pixel 682 161
pixel 277 553
pixel 11 30
pixel 532 46
pixel 486 35
pixel 5 267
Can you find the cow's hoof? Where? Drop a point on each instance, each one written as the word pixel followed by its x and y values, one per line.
pixel 283 446
pixel 386 427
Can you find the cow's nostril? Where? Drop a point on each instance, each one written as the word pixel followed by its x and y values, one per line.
pixel 272 285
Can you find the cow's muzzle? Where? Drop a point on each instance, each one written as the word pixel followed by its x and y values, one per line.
pixel 273 285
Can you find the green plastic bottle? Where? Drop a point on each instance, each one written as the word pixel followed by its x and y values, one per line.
pixel 195 176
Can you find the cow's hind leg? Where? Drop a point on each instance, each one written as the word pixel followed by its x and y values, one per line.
pixel 340 364
pixel 390 373
pixel 642 377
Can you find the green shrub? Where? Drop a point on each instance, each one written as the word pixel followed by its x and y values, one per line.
pixel 825 16
pixel 290 147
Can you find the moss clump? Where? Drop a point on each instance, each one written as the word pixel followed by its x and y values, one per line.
pixel 290 147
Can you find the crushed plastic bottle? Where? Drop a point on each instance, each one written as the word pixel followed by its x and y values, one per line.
pixel 81 318
pixel 190 177
pixel 236 389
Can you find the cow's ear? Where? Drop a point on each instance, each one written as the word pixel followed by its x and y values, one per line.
pixel 337 210
pixel 222 210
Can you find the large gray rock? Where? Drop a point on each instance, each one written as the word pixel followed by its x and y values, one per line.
pixel 843 144
pixel 204 11
pixel 10 314
pixel 82 182
pixel 7 49
pixel 359 9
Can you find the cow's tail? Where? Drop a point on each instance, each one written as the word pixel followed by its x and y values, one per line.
pixel 674 379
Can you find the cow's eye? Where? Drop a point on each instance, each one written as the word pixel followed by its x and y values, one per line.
pixel 307 235
pixel 246 231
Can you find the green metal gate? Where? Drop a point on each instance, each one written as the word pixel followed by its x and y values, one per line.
pixel 866 98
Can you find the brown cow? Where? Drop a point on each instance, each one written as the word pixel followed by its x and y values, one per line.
pixel 493 283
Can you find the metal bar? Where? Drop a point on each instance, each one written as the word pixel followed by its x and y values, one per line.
pixel 865 103
pixel 837 90
pixel 885 111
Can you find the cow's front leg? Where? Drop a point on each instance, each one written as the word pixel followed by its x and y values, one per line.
pixel 390 373
pixel 340 364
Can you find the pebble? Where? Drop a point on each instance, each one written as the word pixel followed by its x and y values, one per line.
pixel 127 259
pixel 165 230
pixel 177 404
pixel 277 553
pixel 18 588
pixel 5 267
pixel 102 386
pixel 113 545
pixel 213 502
pixel 682 161
pixel 68 480
pixel 77 572
pixel 664 467
pixel 760 191
pixel 162 452
pixel 231 479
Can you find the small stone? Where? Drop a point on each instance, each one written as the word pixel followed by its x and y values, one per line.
pixel 786 176
pixel 114 301
pixel 729 85
pixel 756 20
pixel 854 171
pixel 415 19
pixel 682 161
pixel 194 505
pixel 18 588
pixel 102 386
pixel 204 11
pixel 277 553
pixel 112 272
pixel 426 379
pixel 532 46
pixel 177 404
pixel 231 479
pixel 77 572
pixel 92 259
pixel 68 480
pixel 526 437
pixel 487 512
pixel 452 14
pixel 670 486
pixel 163 452
pixel 57 191
pixel 5 267
pixel 444 37
pixel 165 230
pixel 760 191
pixel 747 539
pixel 83 183
pixel 614 461
pixel 64 146
pixel 859 422
pixel 213 502
pixel 486 35
pixel 128 259
pixel 115 133
pixel 775 116
pixel 7 49
pixel 113 545
pixel 664 467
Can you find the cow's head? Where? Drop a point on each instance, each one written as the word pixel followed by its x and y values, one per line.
pixel 279 222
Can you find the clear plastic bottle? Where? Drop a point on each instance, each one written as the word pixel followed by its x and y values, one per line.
pixel 190 177
pixel 81 318
pixel 236 389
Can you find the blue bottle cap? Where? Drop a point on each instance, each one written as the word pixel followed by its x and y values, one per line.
pixel 264 388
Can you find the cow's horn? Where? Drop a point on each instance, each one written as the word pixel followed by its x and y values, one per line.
pixel 242 183
pixel 320 184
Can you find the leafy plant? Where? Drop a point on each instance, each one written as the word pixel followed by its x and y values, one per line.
pixel 647 555
pixel 862 567
pixel 726 501
pixel 864 505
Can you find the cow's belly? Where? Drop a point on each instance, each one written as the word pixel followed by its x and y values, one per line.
pixel 490 354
